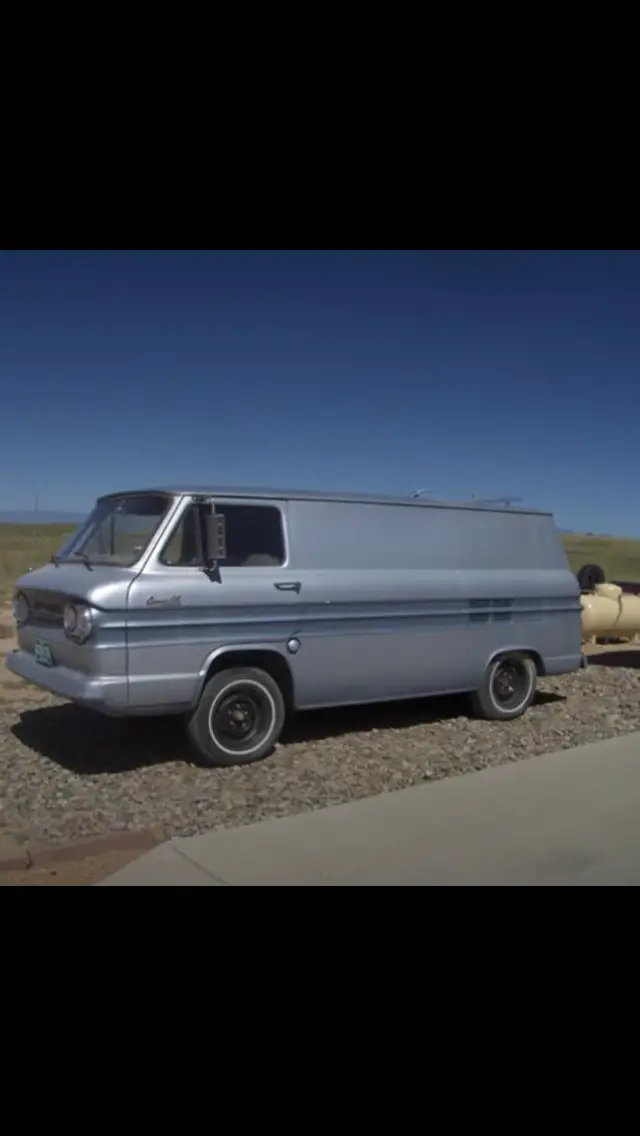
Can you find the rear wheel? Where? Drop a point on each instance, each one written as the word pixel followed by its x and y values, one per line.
pixel 508 688
pixel 239 717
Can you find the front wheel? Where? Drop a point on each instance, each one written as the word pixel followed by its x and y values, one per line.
pixel 508 688
pixel 239 717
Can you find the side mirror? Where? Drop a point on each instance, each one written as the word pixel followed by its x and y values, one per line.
pixel 215 538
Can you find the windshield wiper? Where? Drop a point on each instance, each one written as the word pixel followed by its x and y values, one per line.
pixel 85 559
pixel 55 560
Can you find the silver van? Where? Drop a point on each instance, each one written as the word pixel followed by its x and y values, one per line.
pixel 237 607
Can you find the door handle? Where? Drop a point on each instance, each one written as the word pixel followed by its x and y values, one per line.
pixel 288 586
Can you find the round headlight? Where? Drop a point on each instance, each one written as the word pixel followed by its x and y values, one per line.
pixel 70 619
pixel 20 607
pixel 78 622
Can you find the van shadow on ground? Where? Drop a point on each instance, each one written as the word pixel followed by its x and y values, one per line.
pixel 616 658
pixel 86 743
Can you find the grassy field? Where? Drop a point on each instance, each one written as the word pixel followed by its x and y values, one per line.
pixel 26 546
pixel 619 558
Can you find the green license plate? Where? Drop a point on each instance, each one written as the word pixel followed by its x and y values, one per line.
pixel 42 652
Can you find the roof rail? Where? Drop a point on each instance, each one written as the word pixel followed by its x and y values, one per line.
pixel 496 500
pixel 507 500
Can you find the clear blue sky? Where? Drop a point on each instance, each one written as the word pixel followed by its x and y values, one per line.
pixel 487 372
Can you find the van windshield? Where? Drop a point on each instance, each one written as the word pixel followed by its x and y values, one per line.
pixel 117 531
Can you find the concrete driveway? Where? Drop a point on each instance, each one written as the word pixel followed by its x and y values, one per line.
pixel 568 818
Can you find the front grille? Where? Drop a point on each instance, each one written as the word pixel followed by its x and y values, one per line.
pixel 46 615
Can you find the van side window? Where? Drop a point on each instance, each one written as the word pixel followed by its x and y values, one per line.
pixel 254 538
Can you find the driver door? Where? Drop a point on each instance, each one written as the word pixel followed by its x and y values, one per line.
pixel 178 615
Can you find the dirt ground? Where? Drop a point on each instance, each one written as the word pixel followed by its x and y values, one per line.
pixel 78 864
pixel 78 873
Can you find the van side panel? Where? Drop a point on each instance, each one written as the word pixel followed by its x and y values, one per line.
pixel 400 602
pixel 335 535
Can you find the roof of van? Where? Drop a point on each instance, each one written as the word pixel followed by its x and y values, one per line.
pixel 320 495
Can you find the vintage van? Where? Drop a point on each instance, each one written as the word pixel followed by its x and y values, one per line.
pixel 236 607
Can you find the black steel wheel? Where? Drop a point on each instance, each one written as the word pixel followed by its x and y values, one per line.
pixel 239 717
pixel 508 688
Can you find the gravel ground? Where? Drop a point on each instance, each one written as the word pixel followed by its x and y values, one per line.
pixel 67 774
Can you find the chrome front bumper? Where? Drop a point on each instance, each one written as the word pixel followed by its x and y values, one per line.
pixel 100 692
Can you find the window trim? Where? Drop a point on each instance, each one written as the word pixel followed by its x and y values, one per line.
pixel 230 502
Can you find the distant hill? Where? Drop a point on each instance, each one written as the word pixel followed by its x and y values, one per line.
pixel 618 557
pixel 42 517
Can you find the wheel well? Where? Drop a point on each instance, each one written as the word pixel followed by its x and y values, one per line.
pixel 538 660
pixel 269 661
